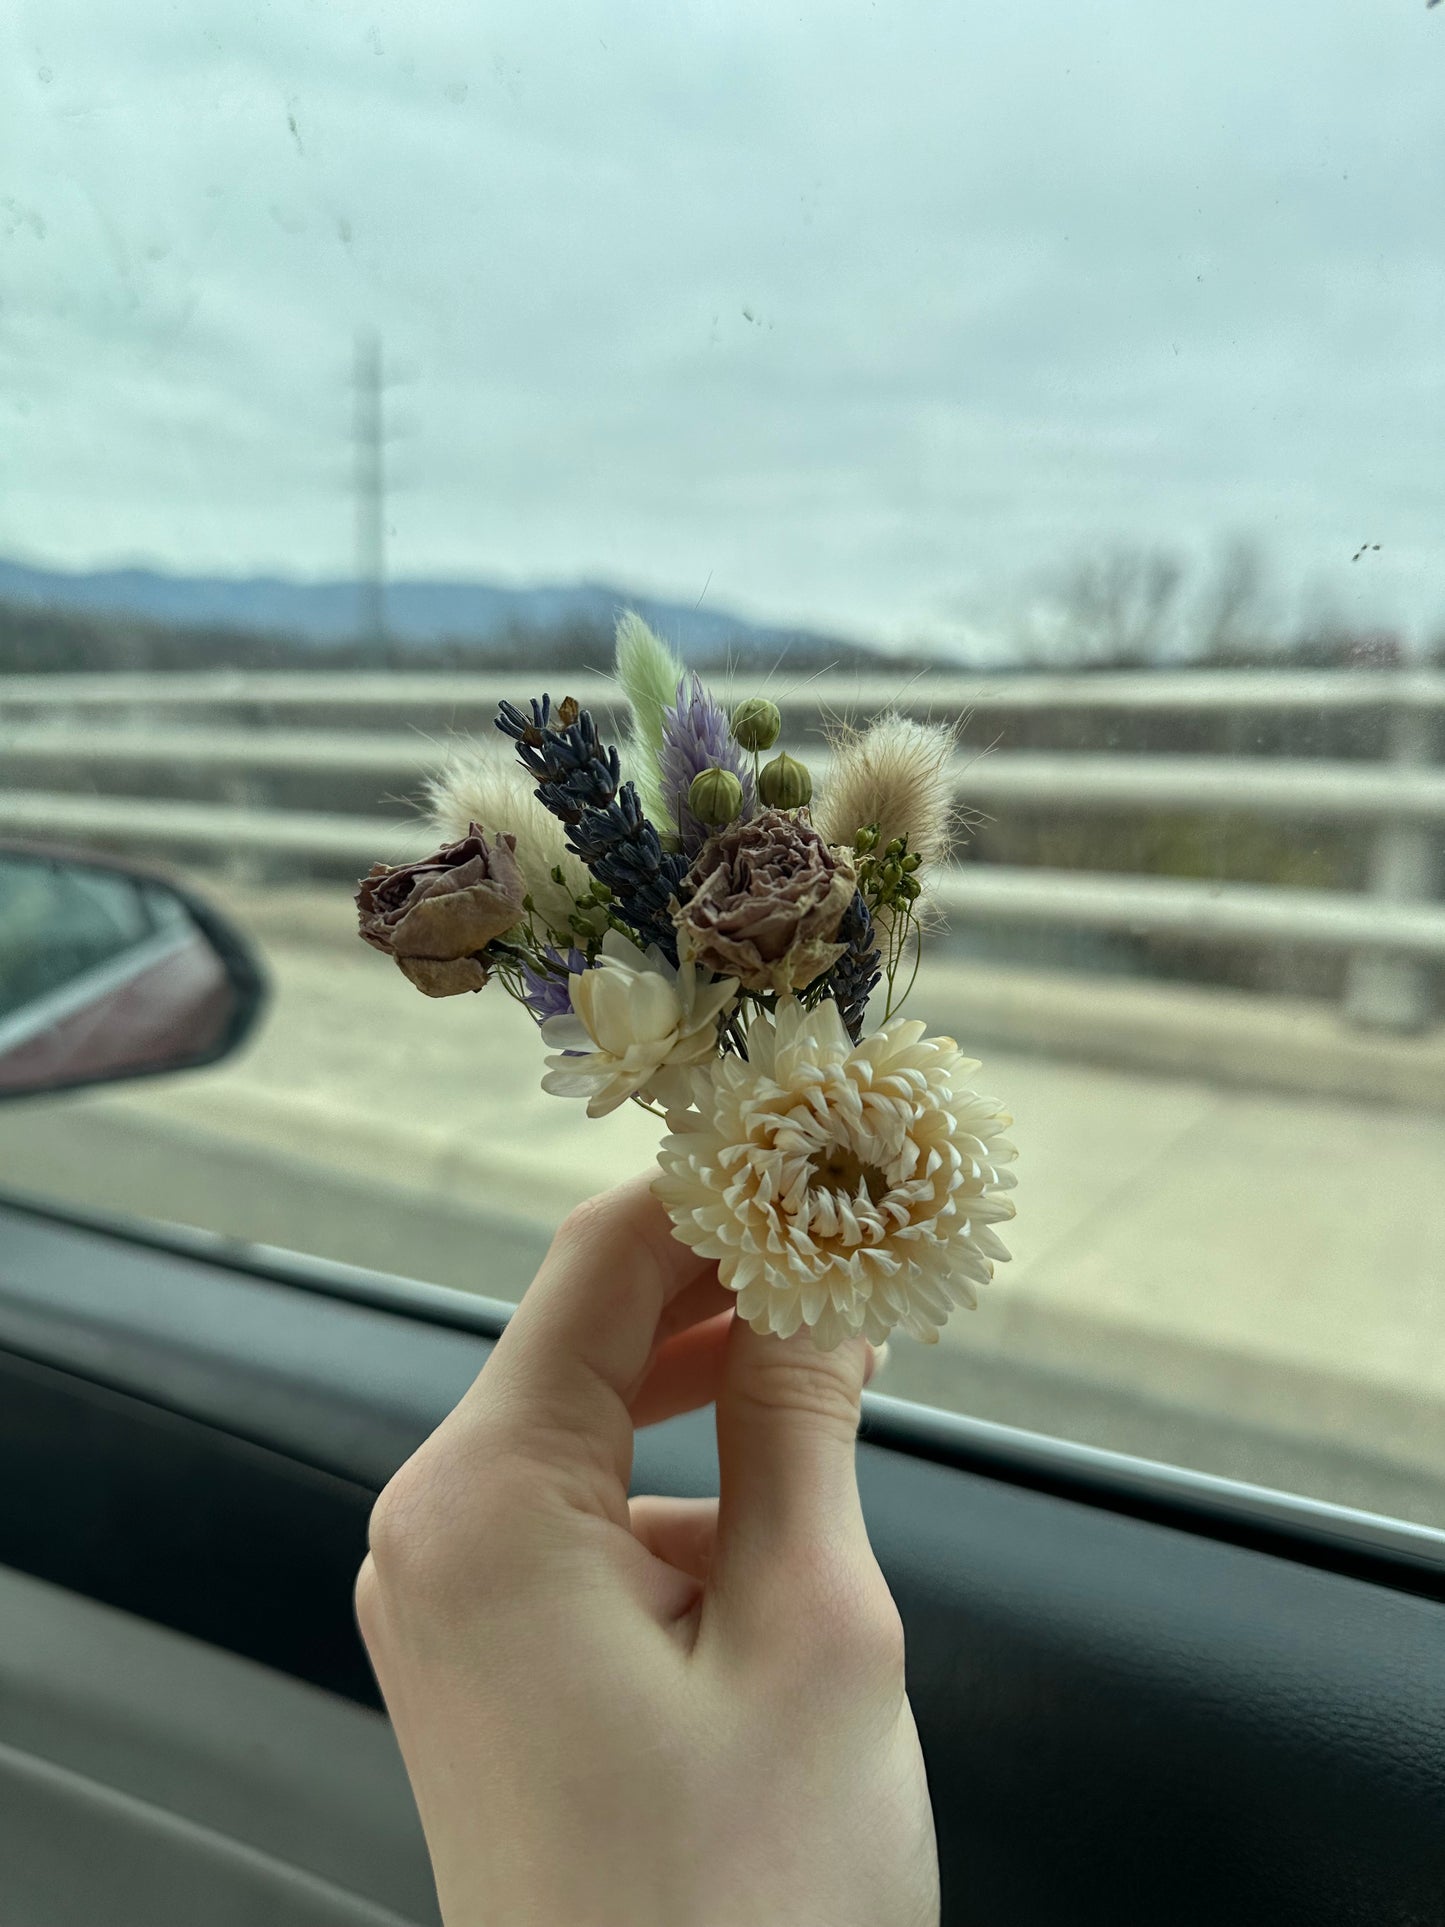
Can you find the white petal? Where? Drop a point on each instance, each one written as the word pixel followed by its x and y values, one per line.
pixel 566 1031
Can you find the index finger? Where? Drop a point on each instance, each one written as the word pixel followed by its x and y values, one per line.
pixel 558 1385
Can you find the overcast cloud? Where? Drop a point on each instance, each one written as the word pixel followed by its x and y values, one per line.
pixel 860 315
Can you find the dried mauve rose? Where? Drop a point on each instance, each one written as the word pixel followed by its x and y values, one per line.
pixel 763 902
pixel 436 916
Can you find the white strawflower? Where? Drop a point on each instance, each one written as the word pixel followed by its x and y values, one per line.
pixel 637 1026
pixel 848 1187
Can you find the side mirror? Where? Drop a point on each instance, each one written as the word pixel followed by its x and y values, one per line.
pixel 109 972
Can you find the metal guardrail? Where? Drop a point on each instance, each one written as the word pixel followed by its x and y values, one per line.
pixel 230 722
pixel 1313 790
pixel 980 893
pixel 941 693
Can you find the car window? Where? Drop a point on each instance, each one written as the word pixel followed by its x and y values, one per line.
pixel 1070 375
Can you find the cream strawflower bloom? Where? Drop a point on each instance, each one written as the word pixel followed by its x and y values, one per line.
pixel 848 1187
pixel 637 1026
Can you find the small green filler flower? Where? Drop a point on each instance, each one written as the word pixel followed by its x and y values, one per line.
pixel 715 797
pixel 785 784
pixel 756 723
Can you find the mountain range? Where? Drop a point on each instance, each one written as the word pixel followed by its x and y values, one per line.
pixel 417 611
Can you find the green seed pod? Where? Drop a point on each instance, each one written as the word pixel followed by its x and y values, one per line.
pixel 866 840
pixel 756 723
pixel 911 863
pixel 784 784
pixel 716 797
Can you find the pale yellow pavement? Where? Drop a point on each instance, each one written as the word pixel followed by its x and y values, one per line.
pixel 1278 1261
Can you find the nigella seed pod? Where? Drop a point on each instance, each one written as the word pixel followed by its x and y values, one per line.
pixel 784 784
pixel 756 723
pixel 716 797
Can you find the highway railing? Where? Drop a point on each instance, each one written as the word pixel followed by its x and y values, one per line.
pixel 99 759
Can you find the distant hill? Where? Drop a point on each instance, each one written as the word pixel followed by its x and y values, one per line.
pixel 419 613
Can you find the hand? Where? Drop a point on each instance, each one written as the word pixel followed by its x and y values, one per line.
pixel 668 1713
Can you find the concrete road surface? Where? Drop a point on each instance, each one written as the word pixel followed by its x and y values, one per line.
pixel 1246 1281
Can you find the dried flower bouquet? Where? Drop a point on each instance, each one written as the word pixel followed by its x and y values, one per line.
pixel 697 932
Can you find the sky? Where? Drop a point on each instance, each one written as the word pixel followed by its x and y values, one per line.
pixel 874 317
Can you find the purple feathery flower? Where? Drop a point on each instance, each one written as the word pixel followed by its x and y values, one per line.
pixel 696 736
pixel 548 994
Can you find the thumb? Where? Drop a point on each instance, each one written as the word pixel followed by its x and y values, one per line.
pixel 787 1425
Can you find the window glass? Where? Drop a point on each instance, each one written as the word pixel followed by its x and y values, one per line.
pixel 57 924
pixel 1070 374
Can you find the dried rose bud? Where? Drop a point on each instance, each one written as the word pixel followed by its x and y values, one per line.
pixel 436 917
pixel 763 902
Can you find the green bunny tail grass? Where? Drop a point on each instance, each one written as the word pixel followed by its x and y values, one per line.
pixel 649 674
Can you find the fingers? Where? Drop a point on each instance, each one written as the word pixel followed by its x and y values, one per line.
pixel 685 1372
pixel 704 1298
pixel 577 1349
pixel 787 1422
pixel 680 1532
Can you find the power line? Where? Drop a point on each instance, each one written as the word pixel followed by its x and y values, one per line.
pixel 370 472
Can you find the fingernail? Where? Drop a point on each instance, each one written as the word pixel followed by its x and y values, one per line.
pixel 877 1359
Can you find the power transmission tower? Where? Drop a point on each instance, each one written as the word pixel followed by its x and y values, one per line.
pixel 370 495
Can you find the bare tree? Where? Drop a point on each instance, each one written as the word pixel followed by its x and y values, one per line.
pixel 1117 608
pixel 1232 619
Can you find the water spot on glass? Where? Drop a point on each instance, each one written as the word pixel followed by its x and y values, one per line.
pixel 343 230
pixel 15 215
pixel 45 75
pixel 457 92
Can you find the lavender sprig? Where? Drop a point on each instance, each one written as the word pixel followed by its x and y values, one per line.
pixel 574 769
pixel 696 736
pixel 622 849
pixel 855 976
pixel 579 781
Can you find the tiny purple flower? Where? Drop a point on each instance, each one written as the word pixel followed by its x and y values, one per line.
pixel 696 736
pixel 548 993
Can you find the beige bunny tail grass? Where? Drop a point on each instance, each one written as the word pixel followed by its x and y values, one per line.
pixel 896 773
pixel 477 787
